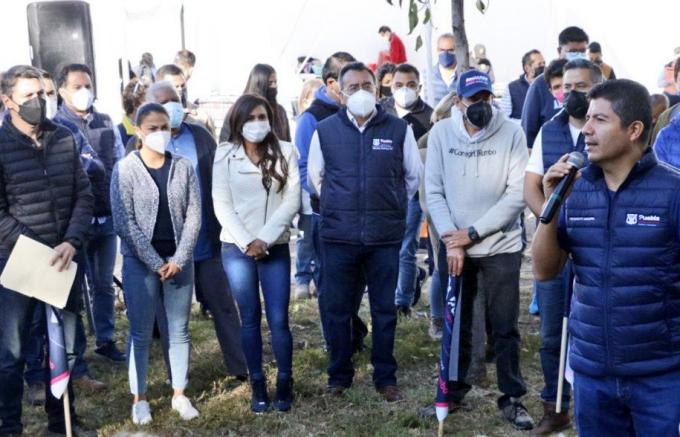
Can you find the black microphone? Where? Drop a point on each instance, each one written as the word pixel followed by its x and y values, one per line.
pixel 576 160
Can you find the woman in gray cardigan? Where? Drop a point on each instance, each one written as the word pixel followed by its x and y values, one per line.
pixel 157 214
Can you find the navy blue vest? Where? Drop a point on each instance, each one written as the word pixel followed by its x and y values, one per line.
pixel 625 316
pixel 518 93
pixel 363 193
pixel 99 131
pixel 557 140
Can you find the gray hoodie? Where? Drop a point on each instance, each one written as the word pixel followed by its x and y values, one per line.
pixel 477 181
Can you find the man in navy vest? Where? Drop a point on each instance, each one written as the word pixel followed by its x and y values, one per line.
pixel 559 136
pixel 327 101
pixel 540 105
pixel 621 228
pixel 364 164
pixel 76 91
pixel 512 102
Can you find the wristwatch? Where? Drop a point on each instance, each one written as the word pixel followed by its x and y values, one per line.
pixel 473 235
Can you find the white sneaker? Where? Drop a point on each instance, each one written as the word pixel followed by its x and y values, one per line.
pixel 141 413
pixel 183 406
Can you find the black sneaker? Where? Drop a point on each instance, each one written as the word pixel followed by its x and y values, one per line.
pixel 284 394
pixel 514 412
pixel 109 350
pixel 260 401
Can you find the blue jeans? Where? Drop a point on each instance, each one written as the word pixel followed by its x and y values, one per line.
pixel 34 353
pixel 408 269
pixel 627 406
pixel 245 276
pixel 101 258
pixel 80 368
pixel 307 259
pixel 16 314
pixel 341 283
pixel 144 292
pixel 439 283
pixel 551 295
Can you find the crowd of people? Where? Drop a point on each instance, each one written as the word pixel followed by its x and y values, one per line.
pixel 367 162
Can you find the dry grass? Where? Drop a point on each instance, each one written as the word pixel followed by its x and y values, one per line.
pixel 224 402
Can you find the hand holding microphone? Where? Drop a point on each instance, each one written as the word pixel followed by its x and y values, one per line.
pixel 558 181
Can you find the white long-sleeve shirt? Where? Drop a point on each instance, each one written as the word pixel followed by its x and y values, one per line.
pixel 413 166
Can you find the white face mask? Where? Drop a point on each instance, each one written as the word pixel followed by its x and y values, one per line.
pixel 405 97
pixel 51 107
pixel 572 56
pixel 361 103
pixel 255 131
pixel 82 99
pixel 158 141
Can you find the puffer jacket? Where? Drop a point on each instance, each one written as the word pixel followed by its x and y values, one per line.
pixel 44 192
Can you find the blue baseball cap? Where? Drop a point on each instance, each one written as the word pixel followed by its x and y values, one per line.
pixel 473 81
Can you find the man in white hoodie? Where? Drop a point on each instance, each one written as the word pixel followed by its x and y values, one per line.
pixel 473 181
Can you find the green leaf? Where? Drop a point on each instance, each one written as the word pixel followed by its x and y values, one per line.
pixel 428 16
pixel 419 42
pixel 412 16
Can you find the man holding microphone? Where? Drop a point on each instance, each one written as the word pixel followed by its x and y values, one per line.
pixel 621 228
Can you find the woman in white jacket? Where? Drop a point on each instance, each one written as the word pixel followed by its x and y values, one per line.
pixel 256 192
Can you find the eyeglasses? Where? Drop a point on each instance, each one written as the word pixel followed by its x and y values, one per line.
pixel 354 88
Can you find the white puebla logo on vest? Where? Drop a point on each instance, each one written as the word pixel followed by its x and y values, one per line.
pixel 382 144
pixel 642 220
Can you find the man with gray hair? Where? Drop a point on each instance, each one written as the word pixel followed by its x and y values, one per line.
pixel 557 137
pixel 194 143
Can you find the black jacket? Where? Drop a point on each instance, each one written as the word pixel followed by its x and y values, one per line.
pixel 44 193
pixel 418 118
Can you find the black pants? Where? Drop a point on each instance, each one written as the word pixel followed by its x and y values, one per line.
pixel 499 277
pixel 344 267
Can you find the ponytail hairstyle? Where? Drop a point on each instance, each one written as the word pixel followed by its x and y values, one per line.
pixel 269 148
pixel 144 111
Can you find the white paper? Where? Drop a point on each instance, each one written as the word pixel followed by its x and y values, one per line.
pixel 28 272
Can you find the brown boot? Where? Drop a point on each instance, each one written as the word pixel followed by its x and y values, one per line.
pixel 552 421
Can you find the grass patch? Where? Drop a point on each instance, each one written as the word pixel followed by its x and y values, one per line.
pixel 224 403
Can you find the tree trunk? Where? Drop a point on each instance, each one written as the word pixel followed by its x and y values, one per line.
pixel 458 21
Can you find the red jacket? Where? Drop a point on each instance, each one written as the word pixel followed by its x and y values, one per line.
pixel 397 50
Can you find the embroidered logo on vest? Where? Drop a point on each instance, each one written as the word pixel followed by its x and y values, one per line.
pixel 642 220
pixel 382 144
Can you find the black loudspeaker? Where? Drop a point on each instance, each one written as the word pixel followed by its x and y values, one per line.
pixel 60 33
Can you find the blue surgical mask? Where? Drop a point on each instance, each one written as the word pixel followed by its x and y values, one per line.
pixel 447 59
pixel 317 69
pixel 175 112
pixel 572 56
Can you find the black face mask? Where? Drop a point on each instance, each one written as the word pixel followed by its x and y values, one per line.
pixel 479 114
pixel 385 91
pixel 33 111
pixel 538 71
pixel 271 94
pixel 576 104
